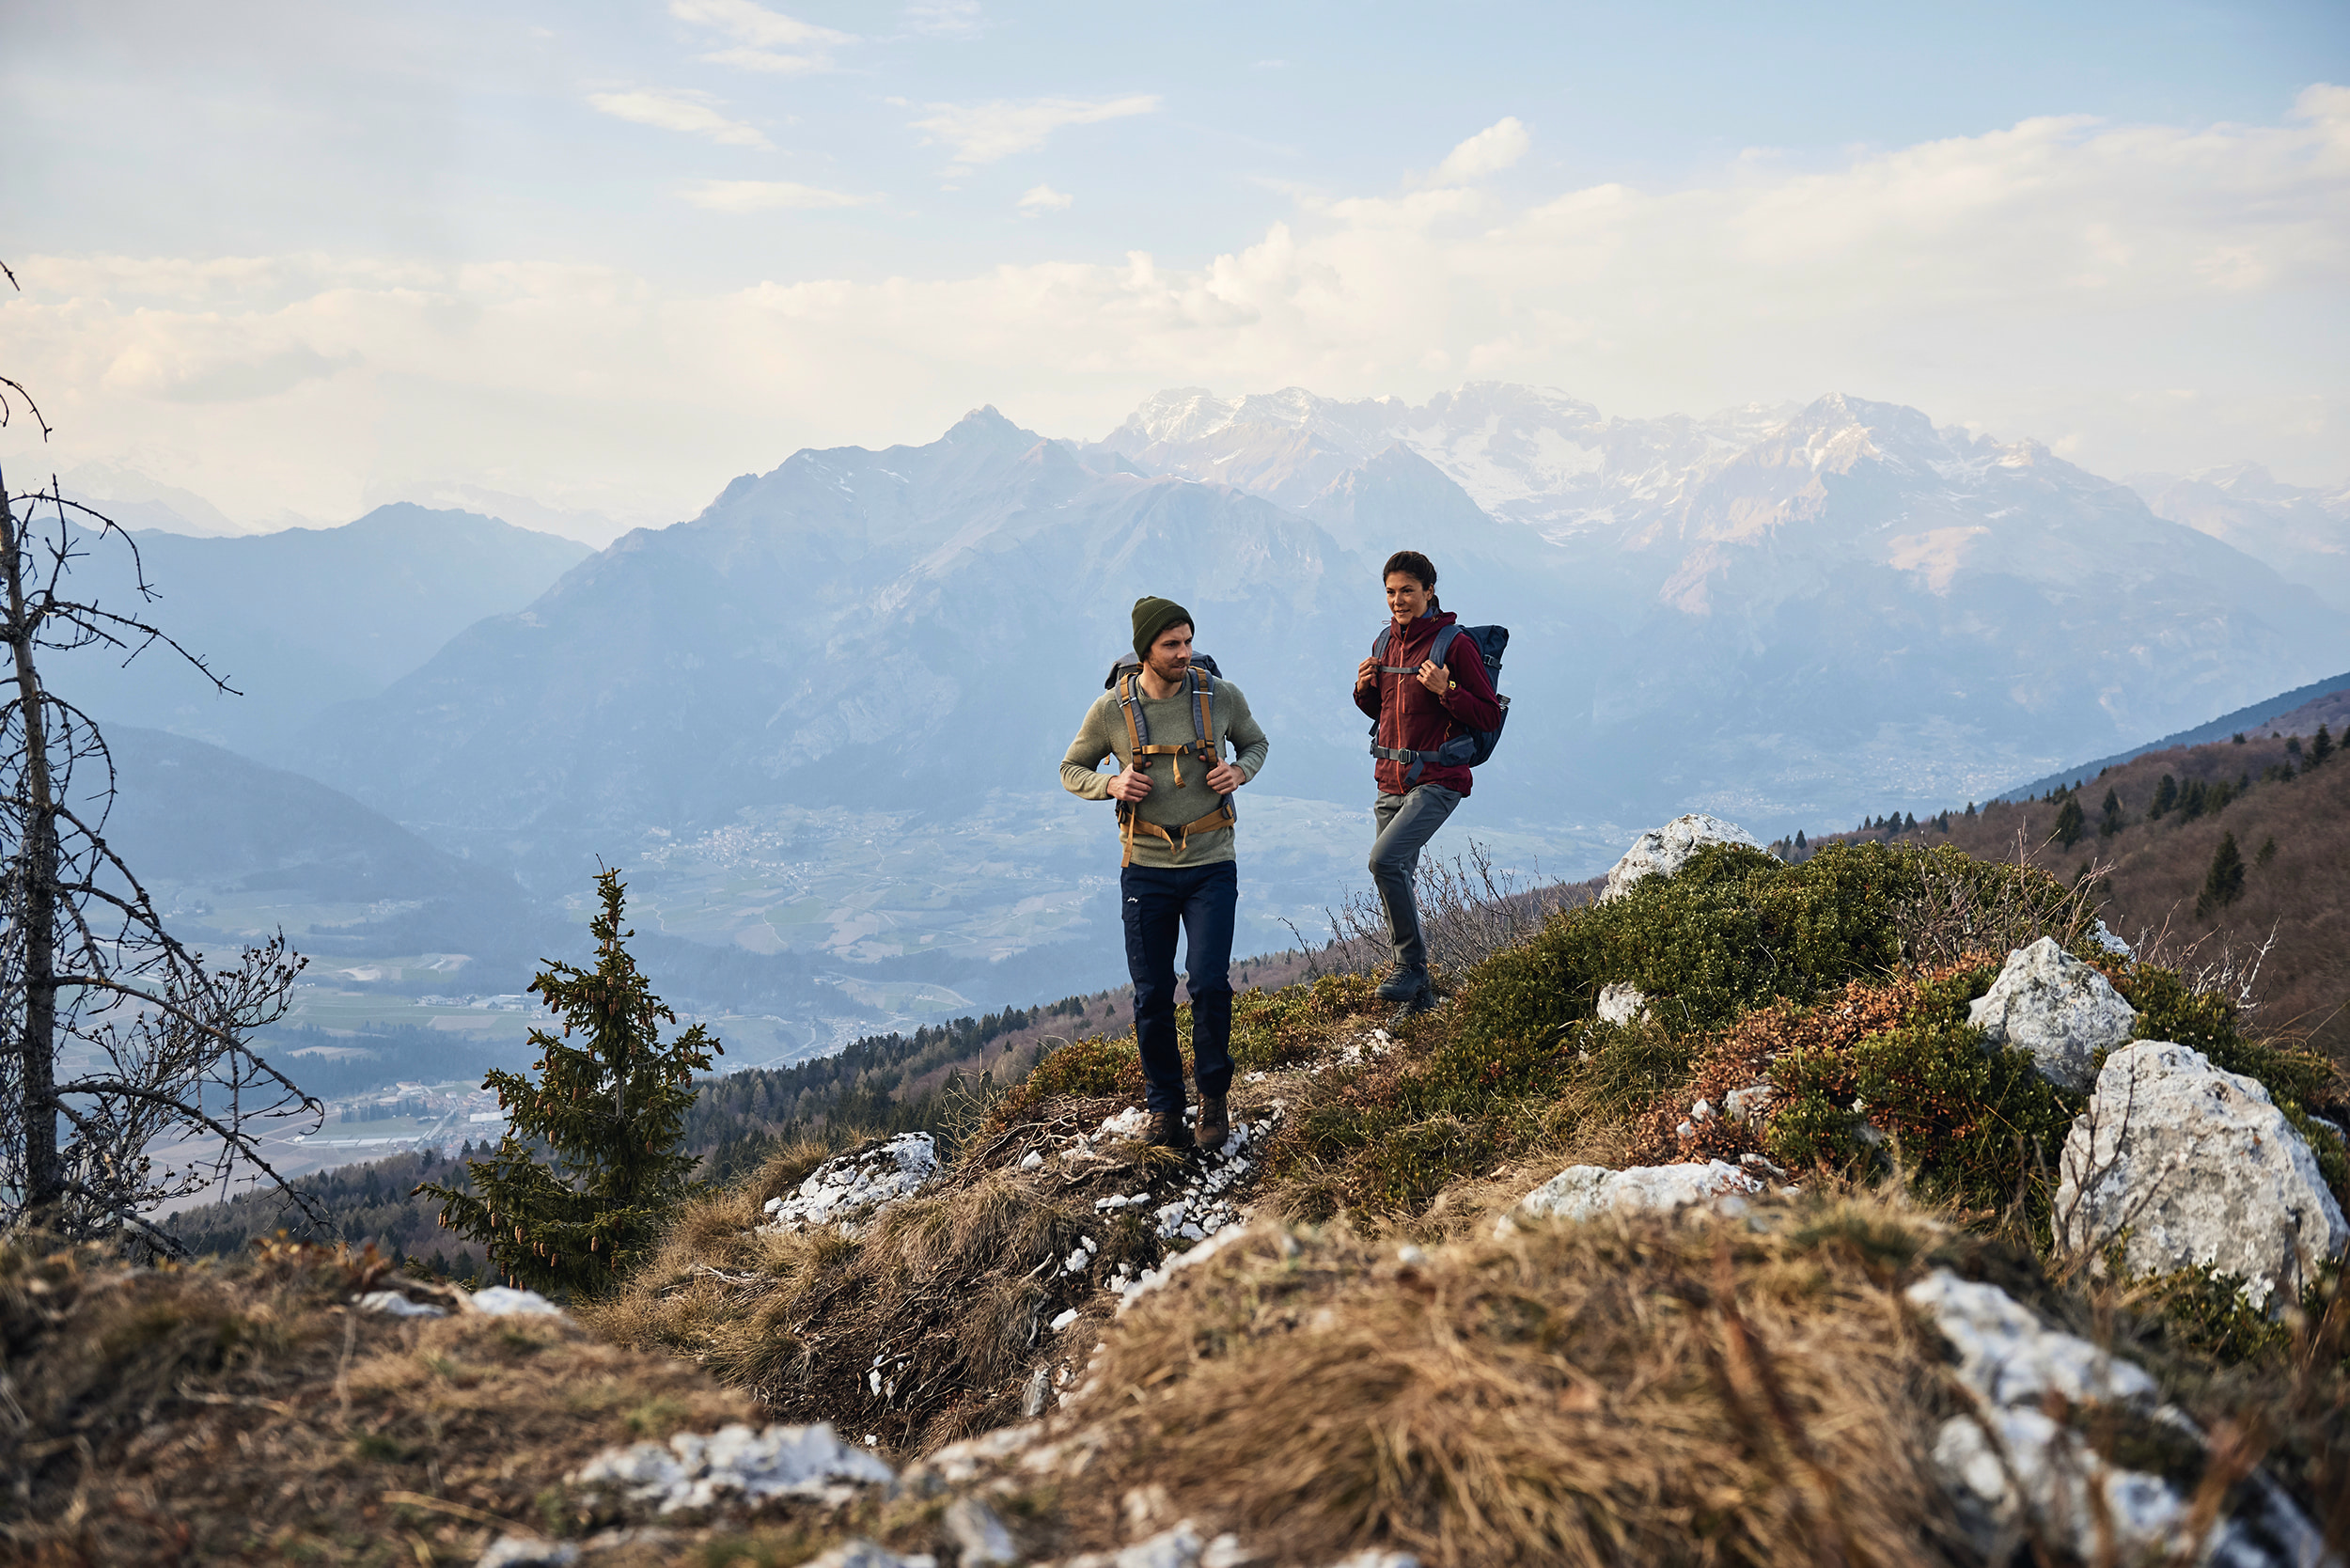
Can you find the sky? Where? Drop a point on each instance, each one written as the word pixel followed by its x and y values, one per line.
pixel 582 264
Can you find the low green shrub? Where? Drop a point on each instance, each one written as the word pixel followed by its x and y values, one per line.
pixel 1631 1065
pixel 1734 927
pixel 1275 1029
pixel 1974 1125
pixel 1412 1163
pixel 2169 1008
pixel 1083 1068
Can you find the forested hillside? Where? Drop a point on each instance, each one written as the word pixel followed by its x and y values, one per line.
pixel 879 1084
pixel 2226 858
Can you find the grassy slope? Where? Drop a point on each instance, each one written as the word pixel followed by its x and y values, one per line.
pixel 1745 1393
pixel 880 1084
pixel 1526 1401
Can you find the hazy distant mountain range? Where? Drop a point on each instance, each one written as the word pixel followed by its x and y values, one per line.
pixel 304 617
pixel 823 717
pixel 2303 533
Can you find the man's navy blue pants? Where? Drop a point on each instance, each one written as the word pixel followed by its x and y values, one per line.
pixel 1197 900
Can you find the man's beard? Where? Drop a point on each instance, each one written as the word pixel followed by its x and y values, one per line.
pixel 1174 671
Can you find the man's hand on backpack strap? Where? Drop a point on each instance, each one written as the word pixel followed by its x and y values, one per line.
pixel 1224 778
pixel 1129 785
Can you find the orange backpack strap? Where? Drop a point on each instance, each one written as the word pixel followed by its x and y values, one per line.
pixel 1139 747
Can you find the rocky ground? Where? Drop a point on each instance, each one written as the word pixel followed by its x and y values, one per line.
pixel 1857 1249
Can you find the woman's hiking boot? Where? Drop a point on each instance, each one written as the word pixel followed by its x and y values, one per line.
pixel 1167 1131
pixel 1215 1126
pixel 1422 999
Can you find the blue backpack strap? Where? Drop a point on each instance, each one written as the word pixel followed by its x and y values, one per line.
pixel 1438 651
pixel 1203 721
pixel 1137 724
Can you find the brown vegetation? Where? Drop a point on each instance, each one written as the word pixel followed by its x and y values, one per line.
pixel 1579 1394
pixel 206 1414
pixel 2294 904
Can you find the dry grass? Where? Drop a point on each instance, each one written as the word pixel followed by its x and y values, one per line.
pixel 1596 1394
pixel 1469 909
pixel 246 1414
pixel 945 1295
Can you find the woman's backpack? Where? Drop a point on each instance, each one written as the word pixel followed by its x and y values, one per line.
pixel 1470 747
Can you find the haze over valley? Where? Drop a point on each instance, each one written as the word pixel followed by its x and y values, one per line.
pixel 817 722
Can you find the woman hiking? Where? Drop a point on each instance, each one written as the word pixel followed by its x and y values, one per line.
pixel 1420 704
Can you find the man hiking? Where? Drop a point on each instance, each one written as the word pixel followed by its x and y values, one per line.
pixel 1166 720
pixel 1419 705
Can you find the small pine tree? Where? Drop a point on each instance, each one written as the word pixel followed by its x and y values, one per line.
pixel 2293 745
pixel 611 1109
pixel 2070 823
pixel 2110 821
pixel 2320 746
pixel 2166 797
pixel 2224 882
pixel 1800 846
pixel 2268 852
pixel 1970 811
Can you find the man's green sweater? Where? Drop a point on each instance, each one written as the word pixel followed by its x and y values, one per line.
pixel 1103 734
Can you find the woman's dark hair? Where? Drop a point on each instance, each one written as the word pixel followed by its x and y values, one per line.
pixel 1414 565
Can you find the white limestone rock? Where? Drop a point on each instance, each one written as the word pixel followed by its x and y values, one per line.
pixel 527 1551
pixel 698 1471
pixel 864 1554
pixel 979 1533
pixel 2063 1011
pixel 2007 1357
pixel 1661 851
pixel 1619 1003
pixel 1178 1547
pixel 2194 1167
pixel 399 1306
pixel 1583 1192
pixel 505 1301
pixel 850 1188
pixel 2008 1464
pixel 2111 943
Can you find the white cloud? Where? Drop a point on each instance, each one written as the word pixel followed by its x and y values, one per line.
pixel 1489 152
pixel 2038 280
pixel 764 195
pixel 691 111
pixel 984 132
pixel 947 19
pixel 765 41
pixel 1044 199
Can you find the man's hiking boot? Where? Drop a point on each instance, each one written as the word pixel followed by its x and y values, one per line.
pixel 1402 984
pixel 1412 1006
pixel 1167 1131
pixel 1215 1126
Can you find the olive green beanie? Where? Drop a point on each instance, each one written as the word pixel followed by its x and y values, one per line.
pixel 1151 617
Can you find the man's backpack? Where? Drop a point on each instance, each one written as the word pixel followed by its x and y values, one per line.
pixel 1470 747
pixel 1199 686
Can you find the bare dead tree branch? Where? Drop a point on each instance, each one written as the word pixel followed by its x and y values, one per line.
pixel 127 1074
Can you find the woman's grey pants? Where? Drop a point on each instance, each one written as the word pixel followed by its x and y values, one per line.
pixel 1406 822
